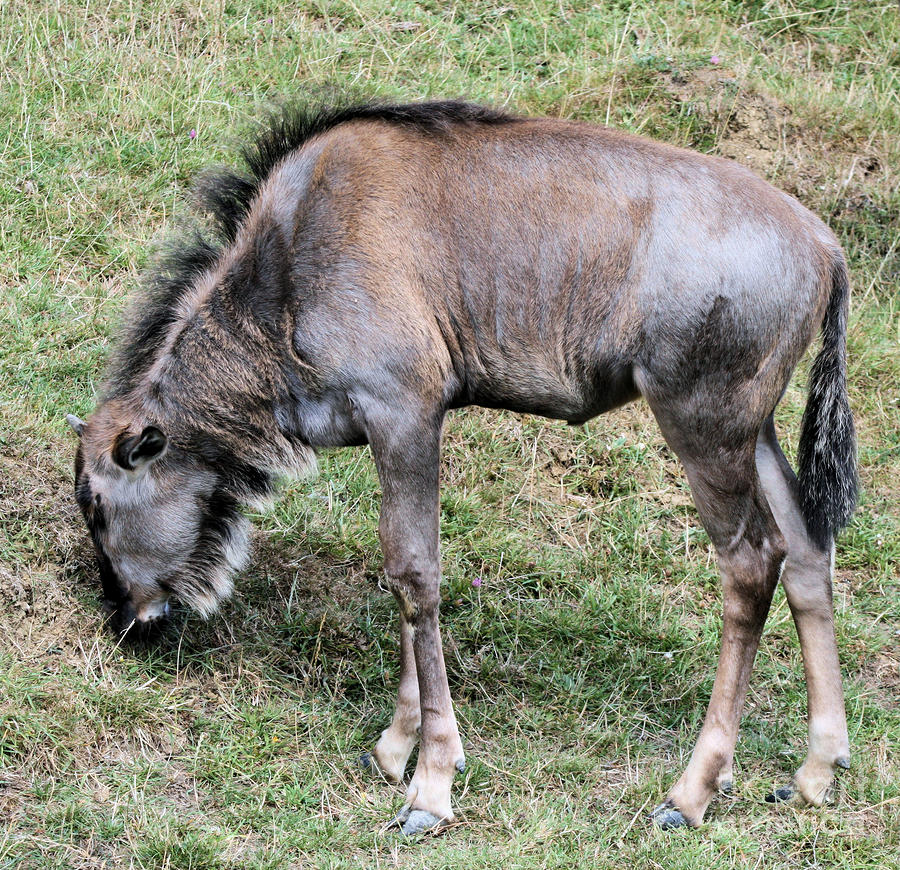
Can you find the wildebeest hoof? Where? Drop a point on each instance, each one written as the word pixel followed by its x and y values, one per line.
pixel 842 762
pixel 666 817
pixel 726 786
pixel 412 822
pixel 367 762
pixel 780 795
pixel 420 821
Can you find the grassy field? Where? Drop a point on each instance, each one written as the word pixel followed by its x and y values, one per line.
pixel 582 663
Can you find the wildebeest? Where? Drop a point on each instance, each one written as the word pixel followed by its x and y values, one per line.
pixel 380 264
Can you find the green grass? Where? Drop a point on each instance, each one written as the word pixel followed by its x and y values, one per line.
pixel 582 664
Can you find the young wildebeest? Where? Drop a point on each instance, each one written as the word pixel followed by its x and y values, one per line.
pixel 381 264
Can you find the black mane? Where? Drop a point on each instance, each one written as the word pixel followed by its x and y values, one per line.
pixel 226 196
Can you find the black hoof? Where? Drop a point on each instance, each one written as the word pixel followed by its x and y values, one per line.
pixel 780 795
pixel 843 762
pixel 420 821
pixel 666 817
pixel 412 822
pixel 368 763
pixel 726 787
pixel 400 819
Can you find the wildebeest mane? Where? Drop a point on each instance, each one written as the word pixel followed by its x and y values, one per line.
pixel 225 197
pixel 177 266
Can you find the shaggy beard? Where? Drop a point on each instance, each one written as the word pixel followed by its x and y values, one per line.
pixel 223 546
pixel 221 551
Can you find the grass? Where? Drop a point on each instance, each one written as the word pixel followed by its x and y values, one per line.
pixel 582 664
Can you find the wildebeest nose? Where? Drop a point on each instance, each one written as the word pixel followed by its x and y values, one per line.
pixel 130 629
pixel 122 614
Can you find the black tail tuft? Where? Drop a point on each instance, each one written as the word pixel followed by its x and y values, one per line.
pixel 827 452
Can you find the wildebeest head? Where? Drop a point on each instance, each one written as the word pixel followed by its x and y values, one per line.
pixel 161 521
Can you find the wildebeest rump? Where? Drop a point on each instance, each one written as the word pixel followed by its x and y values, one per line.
pixel 381 264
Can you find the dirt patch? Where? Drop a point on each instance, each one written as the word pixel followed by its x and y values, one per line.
pixel 753 127
pixel 46 555
pixel 12 788
pixel 881 676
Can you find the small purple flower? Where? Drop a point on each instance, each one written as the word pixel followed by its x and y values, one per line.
pixel 476 582
pixel 715 59
pixel 269 20
pixel 192 134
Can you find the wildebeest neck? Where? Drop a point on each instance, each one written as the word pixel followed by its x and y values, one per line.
pixel 220 372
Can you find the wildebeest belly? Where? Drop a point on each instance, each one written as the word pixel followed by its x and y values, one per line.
pixel 539 314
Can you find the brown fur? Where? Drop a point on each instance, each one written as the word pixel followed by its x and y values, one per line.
pixel 385 265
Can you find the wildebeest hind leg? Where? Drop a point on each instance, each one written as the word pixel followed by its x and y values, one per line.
pixel 407 458
pixel 807 583
pixel 750 550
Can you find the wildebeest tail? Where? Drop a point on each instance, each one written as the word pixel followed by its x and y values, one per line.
pixel 827 451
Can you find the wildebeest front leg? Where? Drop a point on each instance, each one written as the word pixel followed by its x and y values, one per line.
pixel 407 464
pixel 398 739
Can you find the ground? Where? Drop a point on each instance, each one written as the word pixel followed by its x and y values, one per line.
pixel 582 661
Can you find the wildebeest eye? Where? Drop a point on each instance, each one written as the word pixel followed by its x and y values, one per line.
pixel 97 499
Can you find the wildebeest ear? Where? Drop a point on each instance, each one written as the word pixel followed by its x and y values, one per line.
pixel 76 424
pixel 136 451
